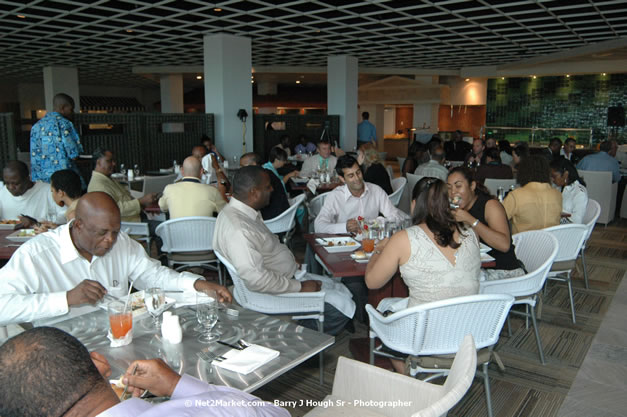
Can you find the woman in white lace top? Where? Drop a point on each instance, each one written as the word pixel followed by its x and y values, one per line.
pixel 438 258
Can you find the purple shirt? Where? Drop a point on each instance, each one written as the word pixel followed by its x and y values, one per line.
pixel 193 397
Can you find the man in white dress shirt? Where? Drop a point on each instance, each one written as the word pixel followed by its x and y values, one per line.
pixel 261 260
pixel 52 374
pixel 20 196
pixel 322 160
pixel 77 264
pixel 354 199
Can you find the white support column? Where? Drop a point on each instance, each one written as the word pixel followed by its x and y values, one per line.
pixel 172 99
pixel 342 75
pixel 61 80
pixel 228 64
pixel 426 116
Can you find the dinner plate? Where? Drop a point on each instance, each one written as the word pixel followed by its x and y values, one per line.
pixel 300 180
pixel 486 258
pixel 22 235
pixel 339 244
pixel 361 261
pixel 118 175
pixel 6 226
pixel 138 306
pixel 483 248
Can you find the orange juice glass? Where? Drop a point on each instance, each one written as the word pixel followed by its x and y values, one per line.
pixel 368 245
pixel 121 321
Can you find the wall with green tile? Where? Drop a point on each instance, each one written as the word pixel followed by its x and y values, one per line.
pixel 578 101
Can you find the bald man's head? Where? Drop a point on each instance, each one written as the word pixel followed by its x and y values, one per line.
pixel 192 167
pixel 250 158
pixel 96 224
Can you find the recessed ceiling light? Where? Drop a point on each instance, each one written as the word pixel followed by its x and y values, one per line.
pixel 297 81
pixel 129 30
pixel 534 77
pixel 604 74
pixel 199 77
pixel 252 81
pixel 567 75
pixel 467 79
pixel 21 16
pixel 217 9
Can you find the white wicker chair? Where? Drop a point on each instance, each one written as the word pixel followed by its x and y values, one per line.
pixel 537 250
pixel 138 231
pixel 188 242
pixel 412 180
pixel 570 238
pixel 286 221
pixel 493 185
pixel 603 191
pixel 356 382
pixel 398 185
pixel 593 211
pixel 314 207
pixel 437 328
pixel 303 305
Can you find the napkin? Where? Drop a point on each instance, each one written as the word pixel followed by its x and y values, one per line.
pixel 186 298
pixel 120 342
pixel 247 360
pixel 313 184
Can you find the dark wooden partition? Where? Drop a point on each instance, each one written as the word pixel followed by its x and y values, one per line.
pixel 7 138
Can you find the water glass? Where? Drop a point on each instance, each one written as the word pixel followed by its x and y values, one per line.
pixel 122 169
pixel 207 315
pixel 154 298
pixel 136 170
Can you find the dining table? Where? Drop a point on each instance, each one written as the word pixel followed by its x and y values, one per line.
pixel 7 247
pixel 294 343
pixel 300 185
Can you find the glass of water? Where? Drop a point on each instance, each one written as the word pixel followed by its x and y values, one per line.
pixel 154 298
pixel 136 170
pixel 207 315
pixel 122 169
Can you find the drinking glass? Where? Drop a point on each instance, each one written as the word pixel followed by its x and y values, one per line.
pixel 120 319
pixel 207 315
pixel 122 169
pixel 154 298
pixel 136 170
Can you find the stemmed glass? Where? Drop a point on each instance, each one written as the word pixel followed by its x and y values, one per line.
pixel 136 170
pixel 154 298
pixel 122 169
pixel 207 315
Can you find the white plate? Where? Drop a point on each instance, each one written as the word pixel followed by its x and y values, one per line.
pixel 22 235
pixel 339 244
pixel 361 261
pixel 483 248
pixel 118 175
pixel 300 180
pixel 486 258
pixel 139 308
pixel 7 226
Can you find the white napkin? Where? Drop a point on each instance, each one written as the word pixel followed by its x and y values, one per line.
pixel 120 342
pixel 247 360
pixel 186 298
pixel 313 184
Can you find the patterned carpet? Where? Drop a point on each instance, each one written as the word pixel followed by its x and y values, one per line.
pixel 526 388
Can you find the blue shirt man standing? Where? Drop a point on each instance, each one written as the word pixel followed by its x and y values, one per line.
pixel 366 132
pixel 54 143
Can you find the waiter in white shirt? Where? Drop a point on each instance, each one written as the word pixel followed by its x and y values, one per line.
pixel 354 199
pixel 76 264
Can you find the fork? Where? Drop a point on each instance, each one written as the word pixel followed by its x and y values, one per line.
pixel 209 357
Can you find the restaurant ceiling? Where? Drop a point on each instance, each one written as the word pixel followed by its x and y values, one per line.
pixel 106 38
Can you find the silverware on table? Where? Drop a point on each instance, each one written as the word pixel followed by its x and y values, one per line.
pixel 239 347
pixel 209 357
pixel 126 387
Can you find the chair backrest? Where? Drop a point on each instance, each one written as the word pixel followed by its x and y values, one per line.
pixel 401 161
pixel 398 185
pixel 285 221
pixel 412 180
pixel 156 184
pixel 187 234
pixel 570 239
pixel 390 171
pixel 493 184
pixel 601 189
pixel 458 381
pixel 315 205
pixel 439 327
pixel 270 303
pixel 593 211
pixel 135 228
pixel 537 250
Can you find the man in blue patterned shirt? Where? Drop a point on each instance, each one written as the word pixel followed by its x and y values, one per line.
pixel 54 143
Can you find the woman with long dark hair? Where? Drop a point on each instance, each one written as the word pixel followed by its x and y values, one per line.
pixel 574 193
pixel 482 212
pixel 438 257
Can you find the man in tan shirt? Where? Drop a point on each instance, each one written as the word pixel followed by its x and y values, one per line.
pixel 189 196
pixel 130 208
pixel 262 262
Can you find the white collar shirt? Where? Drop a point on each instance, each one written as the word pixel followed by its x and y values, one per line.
pixel 35 281
pixel 36 202
pixel 341 205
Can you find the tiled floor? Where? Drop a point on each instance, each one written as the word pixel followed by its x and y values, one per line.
pixel 600 388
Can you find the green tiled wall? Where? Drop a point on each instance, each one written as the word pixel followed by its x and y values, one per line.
pixel 578 101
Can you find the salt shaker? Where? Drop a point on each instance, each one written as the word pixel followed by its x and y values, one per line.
pixel 171 328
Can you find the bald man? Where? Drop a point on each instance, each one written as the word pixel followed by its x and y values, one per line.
pixel 75 265
pixel 54 143
pixel 189 196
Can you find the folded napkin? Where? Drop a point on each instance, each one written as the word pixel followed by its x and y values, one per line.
pixel 186 298
pixel 247 360
pixel 313 184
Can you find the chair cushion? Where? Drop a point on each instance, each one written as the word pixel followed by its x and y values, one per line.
pixel 331 407
pixel 563 265
pixel 192 256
